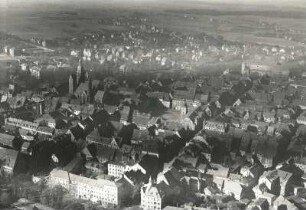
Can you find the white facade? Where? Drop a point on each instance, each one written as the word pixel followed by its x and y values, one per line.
pixel 102 191
pixel 115 169
pixel 215 127
pixel 150 198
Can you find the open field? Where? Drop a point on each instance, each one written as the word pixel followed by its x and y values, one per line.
pixel 233 22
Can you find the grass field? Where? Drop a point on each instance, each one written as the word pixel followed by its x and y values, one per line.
pixel 233 22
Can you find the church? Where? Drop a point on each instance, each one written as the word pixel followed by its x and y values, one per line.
pixel 81 85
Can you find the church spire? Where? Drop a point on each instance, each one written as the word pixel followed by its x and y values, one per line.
pixel 80 73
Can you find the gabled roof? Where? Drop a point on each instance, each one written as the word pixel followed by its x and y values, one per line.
pixel 105 154
pixel 81 88
pixel 141 135
pixel 9 157
pixel 150 164
pixel 99 95
pixel 77 132
pixel 6 139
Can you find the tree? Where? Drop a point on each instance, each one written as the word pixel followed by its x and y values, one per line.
pixel 53 196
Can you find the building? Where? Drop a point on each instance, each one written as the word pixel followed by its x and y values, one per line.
pixel 141 119
pixel 8 158
pixel 7 140
pixel 116 169
pixel 269 117
pixel 249 68
pixel 22 124
pixel 99 97
pixel 233 188
pixel 109 193
pixel 151 196
pixel 71 85
pixel 302 118
pixel 214 126
pixel 35 71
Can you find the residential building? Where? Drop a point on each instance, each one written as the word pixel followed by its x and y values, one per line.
pixel 22 124
pixel 108 193
pixel 8 158
pixel 151 196
pixel 301 118
pixel 215 126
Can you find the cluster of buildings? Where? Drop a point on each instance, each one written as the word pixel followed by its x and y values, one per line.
pixel 208 140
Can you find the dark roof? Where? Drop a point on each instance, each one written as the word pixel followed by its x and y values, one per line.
pixel 184 94
pixel 151 165
pixel 105 154
pixel 136 177
pixel 94 136
pixel 140 135
pixel 77 132
pixel 110 108
pixel 88 125
pixel 173 177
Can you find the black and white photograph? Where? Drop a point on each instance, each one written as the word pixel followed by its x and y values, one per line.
pixel 153 104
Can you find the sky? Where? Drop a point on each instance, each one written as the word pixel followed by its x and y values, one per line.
pixel 155 3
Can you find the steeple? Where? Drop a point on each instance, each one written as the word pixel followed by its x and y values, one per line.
pixel 71 85
pixel 80 73
pixel 90 91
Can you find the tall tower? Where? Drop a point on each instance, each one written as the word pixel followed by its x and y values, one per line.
pixel 71 85
pixel 243 68
pixel 90 91
pixel 80 73
pixel 12 85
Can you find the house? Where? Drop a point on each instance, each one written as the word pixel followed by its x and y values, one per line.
pixel 253 171
pixel 163 97
pixel 215 126
pixel 124 114
pixel 269 117
pixel 283 115
pixel 271 180
pixel 150 148
pixel 260 203
pixel 233 188
pixel 152 196
pixel 171 177
pixel 7 140
pixel 184 100
pixel 47 120
pixel 110 109
pixel 27 125
pixel 16 102
pixel 266 150
pixel 301 118
pixel 105 154
pixel 9 159
pixel 76 133
pixel 35 71
pixel 45 130
pixel 149 166
pixel 99 97
pixel 282 202
pixel 141 119
pixel 109 193
pixel 25 148
pixel 26 135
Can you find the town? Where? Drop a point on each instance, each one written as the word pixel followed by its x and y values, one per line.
pixel 150 118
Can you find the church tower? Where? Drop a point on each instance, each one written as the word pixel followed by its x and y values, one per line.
pixel 80 73
pixel 71 85
pixel 90 90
